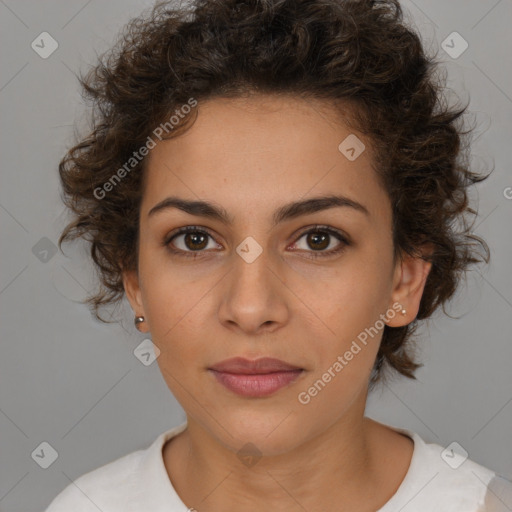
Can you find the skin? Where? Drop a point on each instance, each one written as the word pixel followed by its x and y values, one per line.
pixel 252 156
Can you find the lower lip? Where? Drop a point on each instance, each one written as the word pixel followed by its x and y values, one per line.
pixel 258 385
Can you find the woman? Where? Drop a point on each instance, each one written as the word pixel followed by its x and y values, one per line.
pixel 274 186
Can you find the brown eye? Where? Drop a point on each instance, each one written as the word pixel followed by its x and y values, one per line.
pixel 189 239
pixel 195 241
pixel 320 238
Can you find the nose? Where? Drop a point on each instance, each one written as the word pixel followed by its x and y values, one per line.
pixel 254 296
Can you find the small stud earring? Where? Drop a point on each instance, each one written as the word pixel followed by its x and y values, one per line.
pixel 404 311
pixel 138 320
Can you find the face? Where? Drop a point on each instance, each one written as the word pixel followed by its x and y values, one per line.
pixel 266 271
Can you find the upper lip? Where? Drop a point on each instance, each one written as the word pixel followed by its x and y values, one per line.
pixel 259 366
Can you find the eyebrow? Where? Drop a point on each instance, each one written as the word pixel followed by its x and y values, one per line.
pixel 287 212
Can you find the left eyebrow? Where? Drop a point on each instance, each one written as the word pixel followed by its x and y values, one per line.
pixel 287 212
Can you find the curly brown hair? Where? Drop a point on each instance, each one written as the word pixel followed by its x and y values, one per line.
pixel 358 53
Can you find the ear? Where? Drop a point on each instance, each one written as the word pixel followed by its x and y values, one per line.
pixel 132 289
pixel 409 280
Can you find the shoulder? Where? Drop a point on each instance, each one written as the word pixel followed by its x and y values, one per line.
pixel 106 488
pixel 445 479
pixel 134 482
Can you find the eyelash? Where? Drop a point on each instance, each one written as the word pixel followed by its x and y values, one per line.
pixel 314 254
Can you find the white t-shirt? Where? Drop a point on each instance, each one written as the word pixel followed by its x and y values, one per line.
pixel 138 482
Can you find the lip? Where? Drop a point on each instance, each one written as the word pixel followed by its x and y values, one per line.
pixel 258 378
pixel 240 365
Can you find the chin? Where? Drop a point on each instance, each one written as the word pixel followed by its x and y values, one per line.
pixel 271 433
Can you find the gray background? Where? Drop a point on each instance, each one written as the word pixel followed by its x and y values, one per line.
pixel 75 383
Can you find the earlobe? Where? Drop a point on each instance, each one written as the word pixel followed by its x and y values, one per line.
pixel 132 289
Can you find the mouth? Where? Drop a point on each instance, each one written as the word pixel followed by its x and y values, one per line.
pixel 259 378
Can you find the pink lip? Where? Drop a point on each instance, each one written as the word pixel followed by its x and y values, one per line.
pixel 258 378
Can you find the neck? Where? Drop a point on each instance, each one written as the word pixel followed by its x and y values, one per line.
pixel 337 469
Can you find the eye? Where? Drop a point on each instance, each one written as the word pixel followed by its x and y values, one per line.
pixel 189 239
pixel 320 238
pixel 192 241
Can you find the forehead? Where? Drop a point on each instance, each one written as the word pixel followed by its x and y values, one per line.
pixel 249 152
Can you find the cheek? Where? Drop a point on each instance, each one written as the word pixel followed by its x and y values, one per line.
pixel 351 297
pixel 172 296
pixel 350 304
pixel 345 353
pixel 176 308
pixel 183 346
